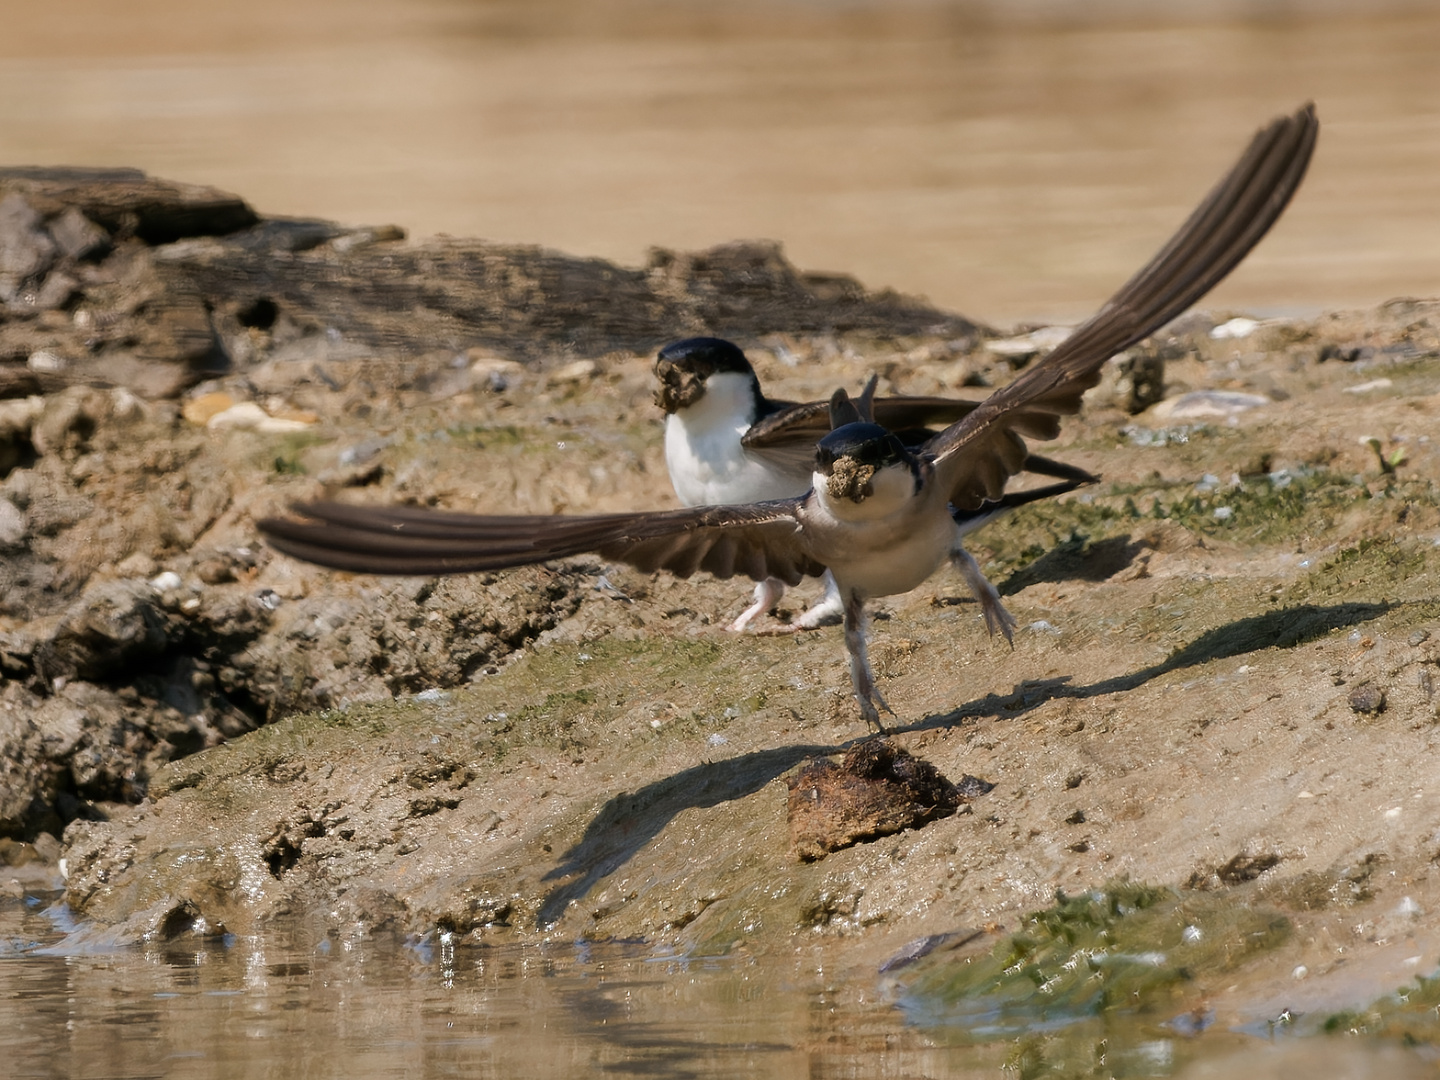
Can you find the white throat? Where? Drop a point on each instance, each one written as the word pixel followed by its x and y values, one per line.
pixel 707 464
pixel 892 491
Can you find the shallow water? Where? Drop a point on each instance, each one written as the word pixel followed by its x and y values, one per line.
pixel 301 1002
pixel 1007 167
pixel 298 1004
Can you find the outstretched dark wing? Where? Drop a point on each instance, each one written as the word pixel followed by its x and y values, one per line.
pixel 976 456
pixel 758 541
pixel 804 425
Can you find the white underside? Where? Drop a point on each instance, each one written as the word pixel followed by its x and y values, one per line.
pixel 886 544
pixel 708 465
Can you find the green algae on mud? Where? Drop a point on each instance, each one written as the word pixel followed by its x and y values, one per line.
pixel 1095 978
pixel 1411 1016
pixel 572 695
pixel 561 696
pixel 1128 948
pixel 1267 508
pixel 302 735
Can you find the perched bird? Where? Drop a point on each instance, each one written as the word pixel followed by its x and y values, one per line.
pixel 879 514
pixel 727 443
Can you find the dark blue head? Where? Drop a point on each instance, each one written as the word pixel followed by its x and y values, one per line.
pixel 711 353
pixel 863 443
pixel 683 367
pixel 851 456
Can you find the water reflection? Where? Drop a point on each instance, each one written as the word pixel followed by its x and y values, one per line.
pixel 293 1003
pixel 302 1001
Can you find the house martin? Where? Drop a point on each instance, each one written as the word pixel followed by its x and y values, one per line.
pixel 879 515
pixel 727 443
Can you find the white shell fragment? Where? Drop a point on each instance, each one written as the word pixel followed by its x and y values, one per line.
pixel 248 415
pixel 1234 329
pixel 1037 341
pixel 1366 387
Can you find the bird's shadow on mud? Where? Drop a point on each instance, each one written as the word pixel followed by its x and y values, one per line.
pixel 630 820
pixel 1282 629
pixel 1076 559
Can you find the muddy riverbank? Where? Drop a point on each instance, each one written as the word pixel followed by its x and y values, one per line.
pixel 1224 680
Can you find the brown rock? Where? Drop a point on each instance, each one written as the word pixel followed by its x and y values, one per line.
pixel 173 283
pixel 77 236
pixel 877 789
pixel 126 200
pixel 26 252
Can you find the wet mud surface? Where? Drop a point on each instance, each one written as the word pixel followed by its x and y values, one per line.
pixel 1224 684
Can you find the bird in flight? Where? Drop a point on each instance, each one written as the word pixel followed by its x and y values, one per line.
pixel 726 443
pixel 879 514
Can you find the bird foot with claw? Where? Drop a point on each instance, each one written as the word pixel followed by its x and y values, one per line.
pixel 871 713
pixel 768 593
pixel 742 623
pixel 999 620
pixel 811 621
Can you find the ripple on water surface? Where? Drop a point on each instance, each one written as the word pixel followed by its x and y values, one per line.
pixel 310 1001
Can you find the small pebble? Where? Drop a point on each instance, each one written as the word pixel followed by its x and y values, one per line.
pixel 215 572
pixel 1031 344
pixel 1207 403
pixel 1367 699
pixel 46 361
pixel 13 527
pixel 247 414
pixel 166 581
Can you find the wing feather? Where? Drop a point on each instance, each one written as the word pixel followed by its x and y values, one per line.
pixel 977 454
pixel 759 541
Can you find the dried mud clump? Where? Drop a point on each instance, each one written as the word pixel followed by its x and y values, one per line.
pixel 850 479
pixel 1367 700
pixel 877 789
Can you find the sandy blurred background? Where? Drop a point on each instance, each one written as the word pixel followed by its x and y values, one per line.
pixel 1008 160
